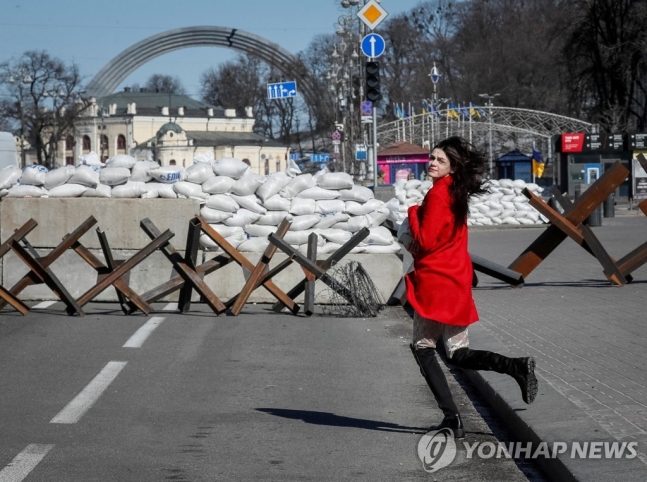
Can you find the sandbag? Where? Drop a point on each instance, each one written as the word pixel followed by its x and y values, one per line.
pixel 248 184
pixel 335 180
pixel 355 224
pixel 101 190
pixel 301 207
pixel 198 173
pixel 277 203
pixel 67 190
pixel 380 249
pixel 33 175
pixel 3 192
pixel 121 160
pixel 357 193
pixel 167 174
pixel 259 231
pixel 89 176
pixel 317 193
pixel 338 236
pixel 242 217
pixel 412 184
pixel 139 172
pixel 273 185
pixel 380 236
pixel 218 185
pixel 58 177
pixel 379 217
pixel 228 231
pixel 327 206
pixel 90 159
pixel 253 245
pixel 296 185
pixel 132 189
pixel 235 240
pixel 250 203
pixel 26 190
pixel 230 167
pixel 273 218
pixel 213 216
pixel 113 176
pixel 329 220
pixel 190 190
pixel 205 157
pixel 356 209
pixel 300 223
pixel 296 238
pixel 222 202
pixel 506 183
pixel 9 176
pixel 293 169
pixel 157 189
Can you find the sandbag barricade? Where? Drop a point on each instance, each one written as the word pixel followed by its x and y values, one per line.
pixel 315 270
pixel 261 278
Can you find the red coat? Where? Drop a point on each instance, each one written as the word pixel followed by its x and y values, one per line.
pixel 440 286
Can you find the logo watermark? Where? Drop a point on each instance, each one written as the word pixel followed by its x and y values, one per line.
pixel 438 449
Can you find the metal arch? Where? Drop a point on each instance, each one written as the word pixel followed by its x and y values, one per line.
pixel 505 121
pixel 113 73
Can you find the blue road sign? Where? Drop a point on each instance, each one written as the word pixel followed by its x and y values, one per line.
pixel 373 45
pixel 282 90
pixel 295 157
pixel 360 152
pixel 319 158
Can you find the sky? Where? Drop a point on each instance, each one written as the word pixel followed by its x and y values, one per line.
pixel 90 33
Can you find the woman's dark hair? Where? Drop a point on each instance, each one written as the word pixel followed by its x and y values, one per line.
pixel 468 166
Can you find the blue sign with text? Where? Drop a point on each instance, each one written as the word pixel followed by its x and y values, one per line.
pixel 282 90
pixel 320 158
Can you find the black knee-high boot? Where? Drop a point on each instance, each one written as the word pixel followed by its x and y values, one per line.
pixel 521 369
pixel 433 374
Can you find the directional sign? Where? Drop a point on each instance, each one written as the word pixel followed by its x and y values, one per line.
pixel 319 158
pixel 282 90
pixel 366 107
pixel 360 152
pixel 372 14
pixel 373 45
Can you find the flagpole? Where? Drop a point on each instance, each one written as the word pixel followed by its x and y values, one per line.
pixel 470 113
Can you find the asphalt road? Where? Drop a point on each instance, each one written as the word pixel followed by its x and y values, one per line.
pixel 199 398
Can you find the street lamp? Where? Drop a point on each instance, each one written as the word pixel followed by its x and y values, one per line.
pixel 489 99
pixel 23 79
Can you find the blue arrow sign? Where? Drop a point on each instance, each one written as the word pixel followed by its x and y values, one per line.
pixel 319 158
pixel 282 90
pixel 373 45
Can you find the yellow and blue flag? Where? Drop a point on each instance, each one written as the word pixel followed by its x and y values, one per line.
pixel 451 112
pixel 474 111
pixel 538 163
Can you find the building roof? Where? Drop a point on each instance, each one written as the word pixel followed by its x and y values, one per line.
pixel 169 126
pixel 514 156
pixel 151 103
pixel 402 149
pixel 210 138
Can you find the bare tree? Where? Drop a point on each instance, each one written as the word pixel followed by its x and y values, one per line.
pixel 166 84
pixel 43 91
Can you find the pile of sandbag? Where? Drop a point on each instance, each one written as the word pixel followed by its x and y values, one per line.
pixel 242 206
pixel 503 204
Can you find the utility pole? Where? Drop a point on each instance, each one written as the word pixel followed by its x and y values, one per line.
pixel 489 99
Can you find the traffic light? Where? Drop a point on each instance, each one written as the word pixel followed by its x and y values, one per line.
pixel 373 82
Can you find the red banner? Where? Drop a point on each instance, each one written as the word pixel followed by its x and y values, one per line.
pixel 573 141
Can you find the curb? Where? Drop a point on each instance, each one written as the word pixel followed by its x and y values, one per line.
pixel 551 418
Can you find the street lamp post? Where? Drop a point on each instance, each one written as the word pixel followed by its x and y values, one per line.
pixel 489 99
pixel 23 78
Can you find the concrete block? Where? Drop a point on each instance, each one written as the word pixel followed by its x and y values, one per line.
pixel 118 218
pixel 77 276
pixel 384 269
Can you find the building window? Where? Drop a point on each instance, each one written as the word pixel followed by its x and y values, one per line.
pixel 172 162
pixel 104 147
pixel 267 166
pixel 278 165
pixel 121 143
pixel 69 143
pixel 86 145
pixel 69 160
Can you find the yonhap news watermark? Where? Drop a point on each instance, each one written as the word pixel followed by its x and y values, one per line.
pixel 438 449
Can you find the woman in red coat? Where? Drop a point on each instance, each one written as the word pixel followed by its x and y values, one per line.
pixel 440 286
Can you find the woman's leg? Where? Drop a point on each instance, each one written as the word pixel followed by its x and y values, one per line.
pixel 426 334
pixel 521 369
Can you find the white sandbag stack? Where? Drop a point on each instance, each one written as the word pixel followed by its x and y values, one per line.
pixel 505 204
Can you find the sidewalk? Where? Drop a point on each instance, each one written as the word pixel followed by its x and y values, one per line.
pixel 589 339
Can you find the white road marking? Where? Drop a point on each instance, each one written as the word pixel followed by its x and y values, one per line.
pixel 24 463
pixel 170 307
pixel 140 336
pixel 74 410
pixel 43 304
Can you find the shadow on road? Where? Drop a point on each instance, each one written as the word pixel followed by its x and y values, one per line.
pixel 330 419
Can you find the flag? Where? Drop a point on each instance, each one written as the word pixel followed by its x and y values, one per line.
pixel 424 108
pixel 538 163
pixel 451 112
pixel 395 111
pixel 434 110
pixel 464 112
pixel 400 113
pixel 474 112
